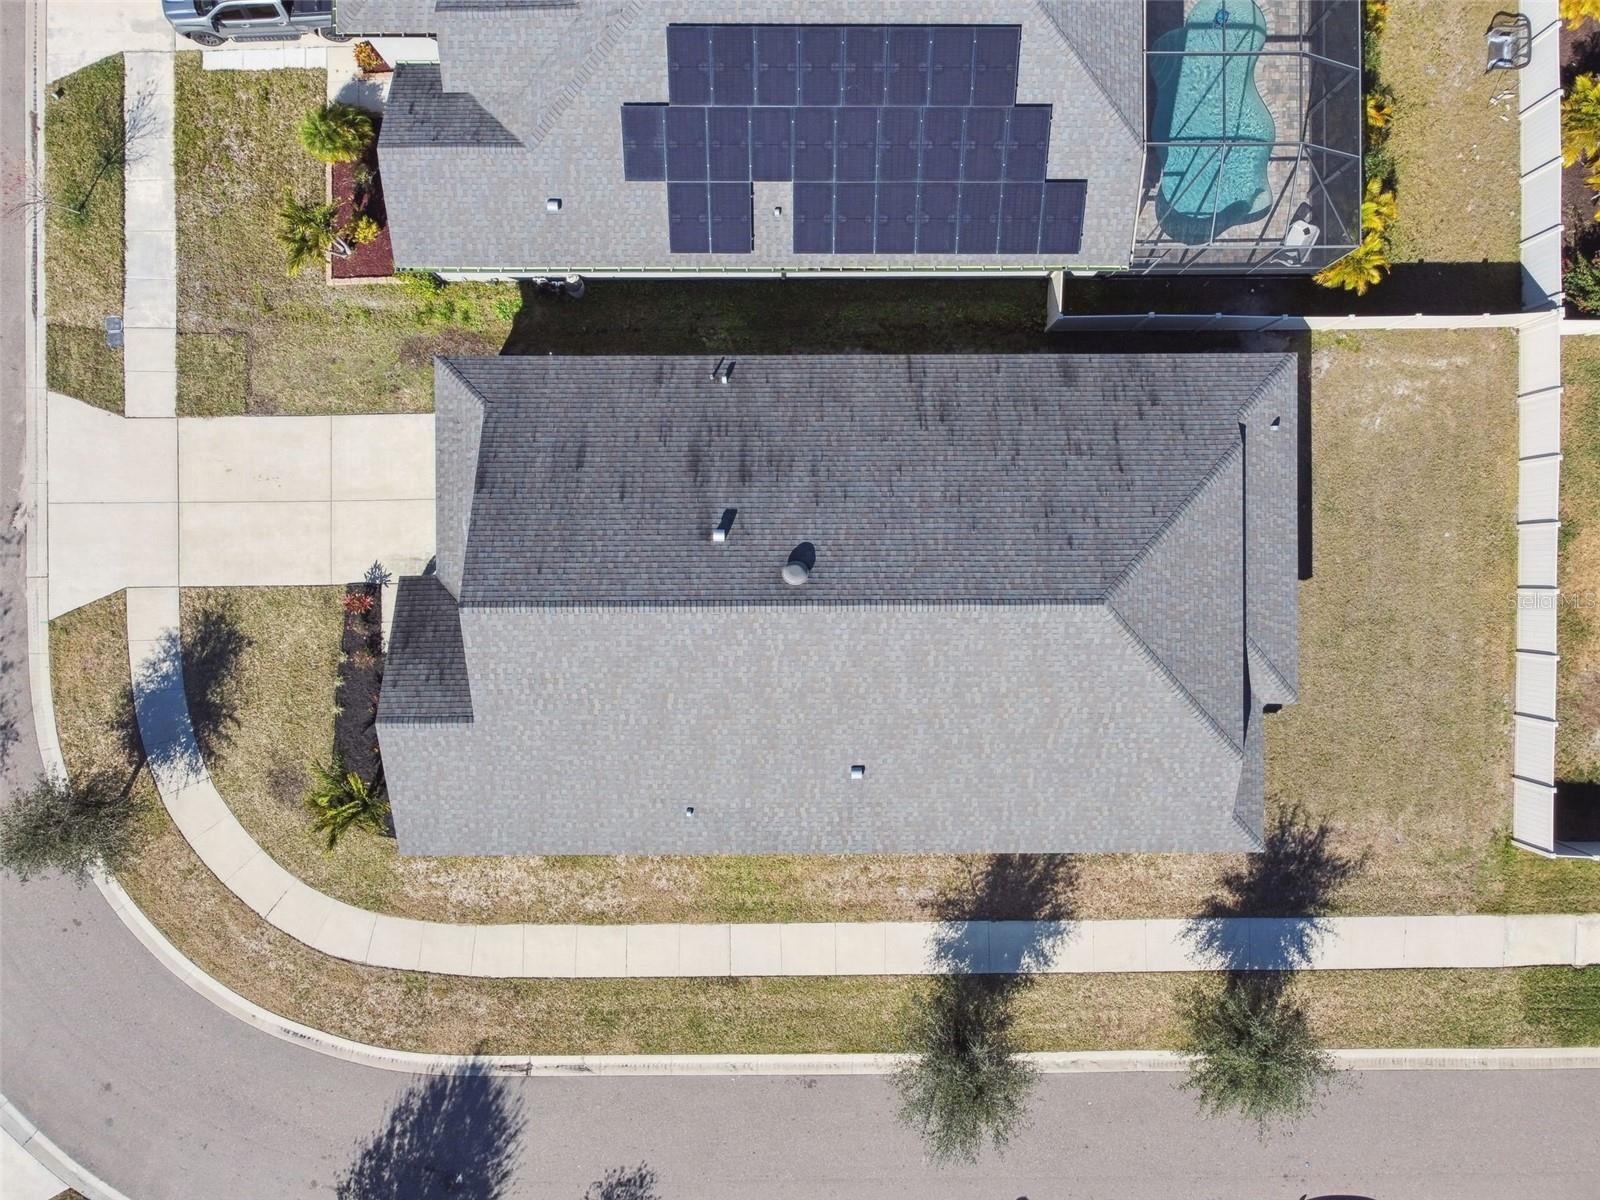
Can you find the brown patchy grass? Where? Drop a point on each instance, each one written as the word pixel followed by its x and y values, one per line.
pixel 311 348
pixel 1455 147
pixel 450 1014
pixel 1578 739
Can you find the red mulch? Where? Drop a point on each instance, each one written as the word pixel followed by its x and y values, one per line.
pixel 375 260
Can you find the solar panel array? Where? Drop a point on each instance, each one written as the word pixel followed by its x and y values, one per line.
pixel 899 139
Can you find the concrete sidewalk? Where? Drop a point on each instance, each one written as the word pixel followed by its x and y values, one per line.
pixel 232 501
pixel 870 948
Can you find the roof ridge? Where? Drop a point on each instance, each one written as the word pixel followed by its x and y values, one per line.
pixel 1234 450
pixel 1066 40
pixel 599 50
pixel 1267 380
pixel 1172 679
pixel 1272 667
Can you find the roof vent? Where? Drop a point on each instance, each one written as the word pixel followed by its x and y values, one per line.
pixel 724 526
pixel 723 371
pixel 798 569
pixel 1277 423
pixel 858 771
pixel 552 204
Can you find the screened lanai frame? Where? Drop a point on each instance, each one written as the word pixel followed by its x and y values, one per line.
pixel 1308 74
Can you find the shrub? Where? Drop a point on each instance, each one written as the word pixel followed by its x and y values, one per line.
pixel 420 285
pixel 964 1081
pixel 340 800
pixel 1358 270
pixel 1580 120
pixel 308 232
pixel 1375 15
pixel 1380 111
pixel 1253 1052
pixel 336 132
pixel 358 603
pixel 1576 12
pixel 1378 210
pixel 368 59
pixel 363 231
pixel 1581 282
pixel 59 826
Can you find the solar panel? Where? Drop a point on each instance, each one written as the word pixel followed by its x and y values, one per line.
pixel 863 64
pixel 821 48
pixel 1019 217
pixel 686 143
pixel 941 143
pixel 980 218
pixel 728 142
pixel 1061 221
pixel 950 76
pixel 732 65
pixel 689 64
pixel 994 64
pixel 688 227
pixel 899 138
pixel 937 205
pixel 1028 141
pixel 982 145
pixel 813 143
pixel 856 143
pixel 897 218
pixel 777 57
pixel 906 81
pixel 732 230
pixel 813 218
pixel 644 142
pixel 771 154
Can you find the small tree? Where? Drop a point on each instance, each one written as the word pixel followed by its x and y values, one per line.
pixel 1253 1051
pixel 964 1081
pixel 336 132
pixel 59 826
pixel 1580 120
pixel 340 800
pixel 1358 270
pixel 309 232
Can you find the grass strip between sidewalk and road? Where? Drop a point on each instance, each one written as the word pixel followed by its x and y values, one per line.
pixel 449 1014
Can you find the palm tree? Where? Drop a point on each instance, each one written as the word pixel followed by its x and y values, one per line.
pixel 341 799
pixel 1358 270
pixel 309 232
pixel 336 132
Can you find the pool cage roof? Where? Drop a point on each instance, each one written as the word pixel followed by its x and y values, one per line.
pixel 1253 119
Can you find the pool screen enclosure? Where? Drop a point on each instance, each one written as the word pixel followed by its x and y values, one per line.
pixel 1253 112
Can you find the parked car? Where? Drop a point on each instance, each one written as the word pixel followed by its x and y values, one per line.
pixel 213 22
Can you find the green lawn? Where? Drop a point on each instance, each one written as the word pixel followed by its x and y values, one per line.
pixel 282 345
pixel 84 232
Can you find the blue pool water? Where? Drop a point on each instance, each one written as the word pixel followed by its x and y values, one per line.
pixel 1204 97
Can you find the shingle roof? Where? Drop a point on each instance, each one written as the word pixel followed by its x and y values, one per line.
pixel 1028 615
pixel 374 17
pixel 554 78
pixel 419 112
pixel 425 671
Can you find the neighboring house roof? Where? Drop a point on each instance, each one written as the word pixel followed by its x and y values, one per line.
pixel 372 18
pixel 1048 597
pixel 525 106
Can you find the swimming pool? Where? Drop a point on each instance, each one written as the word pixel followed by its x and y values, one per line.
pixel 1204 97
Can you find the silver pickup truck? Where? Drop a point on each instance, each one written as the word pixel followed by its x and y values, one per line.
pixel 212 22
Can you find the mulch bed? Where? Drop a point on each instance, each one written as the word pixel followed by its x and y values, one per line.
pixel 355 736
pixel 375 260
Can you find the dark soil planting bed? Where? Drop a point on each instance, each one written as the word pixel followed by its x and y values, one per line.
pixel 375 260
pixel 355 737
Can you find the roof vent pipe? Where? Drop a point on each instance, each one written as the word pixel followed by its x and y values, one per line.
pixel 795 573
pixel 725 526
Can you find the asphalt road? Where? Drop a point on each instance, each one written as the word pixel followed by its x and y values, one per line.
pixel 161 1094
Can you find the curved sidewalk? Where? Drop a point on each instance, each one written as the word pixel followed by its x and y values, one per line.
pixel 867 948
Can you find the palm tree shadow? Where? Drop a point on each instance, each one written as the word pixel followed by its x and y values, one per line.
pixel 454 1137
pixel 1291 884
pixel 183 708
pixel 625 1183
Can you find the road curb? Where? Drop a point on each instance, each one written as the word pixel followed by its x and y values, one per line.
pixel 49 1155
pixel 604 1065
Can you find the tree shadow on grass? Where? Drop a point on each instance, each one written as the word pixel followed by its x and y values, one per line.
pixel 625 1183
pixel 183 711
pixel 1293 882
pixel 449 1136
